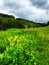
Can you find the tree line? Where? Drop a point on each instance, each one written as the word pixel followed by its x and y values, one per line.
pixel 9 21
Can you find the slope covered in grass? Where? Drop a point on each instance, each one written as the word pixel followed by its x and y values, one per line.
pixel 9 21
pixel 24 46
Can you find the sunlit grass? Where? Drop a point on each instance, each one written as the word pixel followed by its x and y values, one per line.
pixel 24 46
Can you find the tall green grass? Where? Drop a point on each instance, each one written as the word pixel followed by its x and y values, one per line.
pixel 24 47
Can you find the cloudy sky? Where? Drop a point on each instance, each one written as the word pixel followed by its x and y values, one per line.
pixel 37 10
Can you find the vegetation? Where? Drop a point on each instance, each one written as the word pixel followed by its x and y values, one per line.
pixel 48 23
pixel 24 46
pixel 9 21
pixel 6 21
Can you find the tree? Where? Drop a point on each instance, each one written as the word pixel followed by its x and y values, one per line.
pixel 48 23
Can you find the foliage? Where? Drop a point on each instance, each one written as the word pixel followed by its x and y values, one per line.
pixel 48 23
pixel 24 46
pixel 9 21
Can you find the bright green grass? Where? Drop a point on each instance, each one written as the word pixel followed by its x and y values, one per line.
pixel 24 46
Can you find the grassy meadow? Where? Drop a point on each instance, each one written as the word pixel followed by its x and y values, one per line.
pixel 28 46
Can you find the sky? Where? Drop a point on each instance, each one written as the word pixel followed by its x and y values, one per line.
pixel 36 10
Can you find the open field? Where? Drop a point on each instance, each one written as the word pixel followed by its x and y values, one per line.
pixel 24 46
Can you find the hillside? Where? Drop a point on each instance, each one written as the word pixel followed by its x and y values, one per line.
pixel 27 46
pixel 9 21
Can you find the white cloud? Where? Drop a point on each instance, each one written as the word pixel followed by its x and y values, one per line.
pixel 23 9
pixel 1 2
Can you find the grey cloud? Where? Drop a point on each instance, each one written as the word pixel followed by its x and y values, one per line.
pixel 39 2
pixel 46 7
pixel 28 9
pixel 43 4
pixel 11 5
pixel 17 9
pixel 22 13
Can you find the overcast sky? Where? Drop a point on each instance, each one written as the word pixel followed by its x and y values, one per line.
pixel 37 10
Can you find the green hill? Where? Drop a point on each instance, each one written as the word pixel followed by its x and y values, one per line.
pixel 9 21
pixel 29 46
